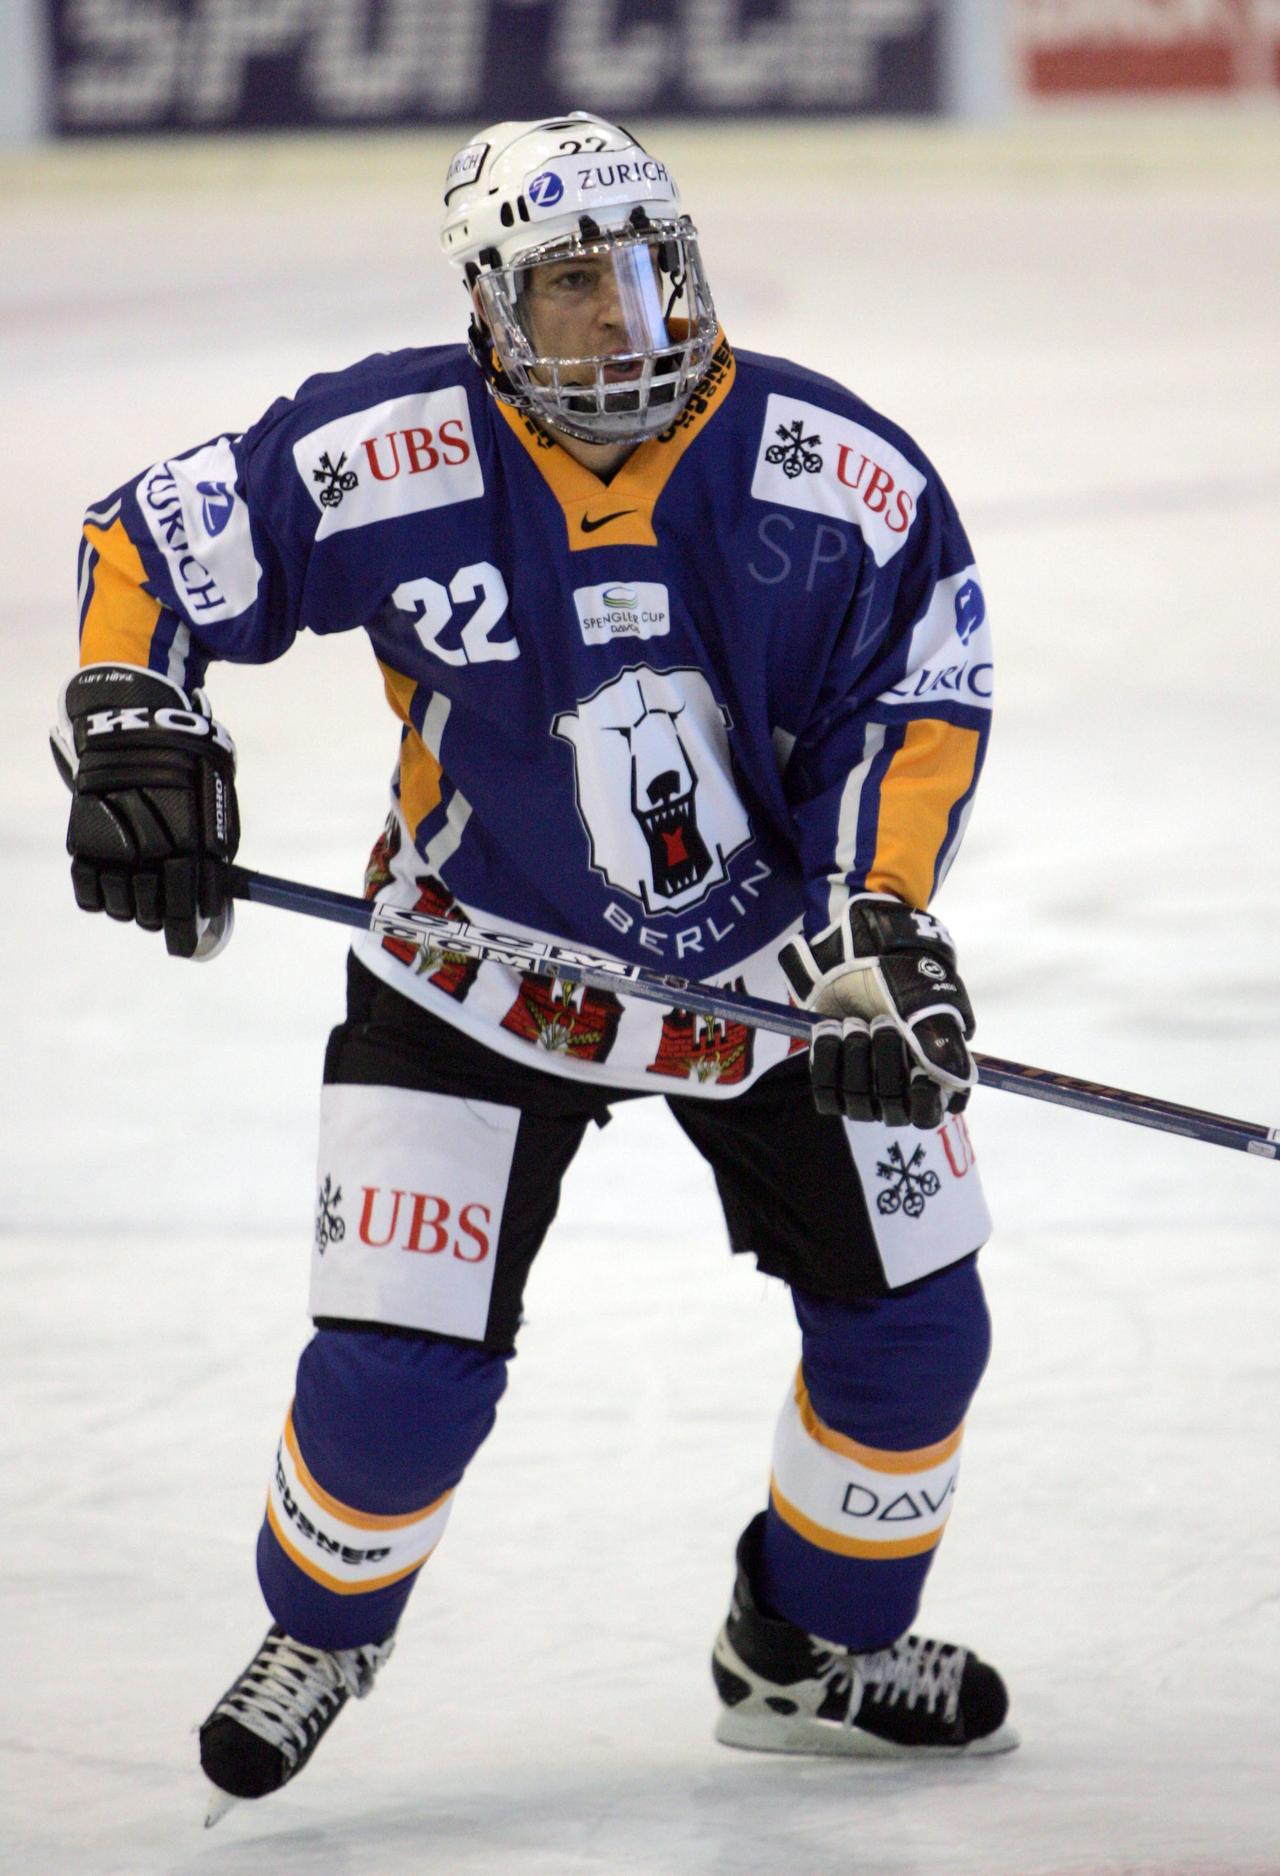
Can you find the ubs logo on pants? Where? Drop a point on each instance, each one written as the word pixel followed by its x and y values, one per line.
pixel 655 785
pixel 924 1195
pixel 426 1182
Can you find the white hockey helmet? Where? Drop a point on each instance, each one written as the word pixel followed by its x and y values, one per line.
pixel 579 199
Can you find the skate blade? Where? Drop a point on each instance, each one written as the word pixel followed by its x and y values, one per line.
pixel 822 1739
pixel 220 1802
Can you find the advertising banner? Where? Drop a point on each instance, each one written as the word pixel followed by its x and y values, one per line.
pixel 204 65
pixel 1079 47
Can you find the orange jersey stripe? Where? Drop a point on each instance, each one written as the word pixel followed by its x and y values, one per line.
pixel 121 618
pixel 848 1546
pixel 363 1520
pixel 323 1577
pixel 876 1458
pixel 932 771
pixel 419 771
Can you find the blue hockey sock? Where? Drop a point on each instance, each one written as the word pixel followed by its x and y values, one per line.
pixel 866 1454
pixel 379 1433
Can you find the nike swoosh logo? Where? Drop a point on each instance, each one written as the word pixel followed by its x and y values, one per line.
pixel 589 527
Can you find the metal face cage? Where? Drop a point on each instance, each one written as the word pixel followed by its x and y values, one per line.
pixel 583 338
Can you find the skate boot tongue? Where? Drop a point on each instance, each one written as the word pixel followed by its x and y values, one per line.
pixel 927 1693
pixel 272 1718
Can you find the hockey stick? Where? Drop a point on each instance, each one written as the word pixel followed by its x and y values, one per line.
pixel 542 958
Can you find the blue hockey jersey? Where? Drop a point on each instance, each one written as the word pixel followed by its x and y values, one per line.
pixel 671 717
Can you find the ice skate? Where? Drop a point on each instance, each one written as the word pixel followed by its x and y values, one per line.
pixel 274 1715
pixel 783 1690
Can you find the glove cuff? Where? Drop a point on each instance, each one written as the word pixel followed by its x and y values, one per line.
pixel 878 925
pixel 105 701
pixel 100 687
pixel 119 686
pixel 872 925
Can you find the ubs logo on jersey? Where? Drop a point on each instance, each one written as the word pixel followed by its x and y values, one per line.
pixel 859 477
pixel 424 449
pixel 655 785
pixel 794 452
pixel 335 480
pixel 397 458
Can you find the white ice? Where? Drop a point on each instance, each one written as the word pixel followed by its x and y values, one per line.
pixel 1079 318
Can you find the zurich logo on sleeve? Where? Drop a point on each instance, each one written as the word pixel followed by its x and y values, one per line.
pixel 545 190
pixel 216 507
pixel 971 610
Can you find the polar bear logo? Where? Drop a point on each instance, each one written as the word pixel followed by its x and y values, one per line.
pixel 655 785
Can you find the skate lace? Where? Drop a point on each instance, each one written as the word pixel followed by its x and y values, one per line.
pixel 289 1690
pixel 913 1669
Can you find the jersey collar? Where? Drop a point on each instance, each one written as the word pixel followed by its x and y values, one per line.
pixel 619 513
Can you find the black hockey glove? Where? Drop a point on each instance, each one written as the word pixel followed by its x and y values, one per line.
pixel 154 824
pixel 894 1049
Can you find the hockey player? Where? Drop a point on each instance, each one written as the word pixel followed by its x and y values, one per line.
pixel 690 662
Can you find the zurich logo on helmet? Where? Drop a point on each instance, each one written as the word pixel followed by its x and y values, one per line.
pixel 546 190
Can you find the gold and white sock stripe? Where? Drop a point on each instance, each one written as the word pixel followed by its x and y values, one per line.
pixel 347 1551
pixel 859 1501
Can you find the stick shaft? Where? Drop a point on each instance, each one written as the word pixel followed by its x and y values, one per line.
pixel 544 958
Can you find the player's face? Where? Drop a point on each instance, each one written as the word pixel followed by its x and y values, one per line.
pixel 586 306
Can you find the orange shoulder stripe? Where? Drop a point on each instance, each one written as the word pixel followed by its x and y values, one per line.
pixel 932 771
pixel 121 618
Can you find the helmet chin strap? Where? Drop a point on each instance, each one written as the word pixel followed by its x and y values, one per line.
pixel 481 346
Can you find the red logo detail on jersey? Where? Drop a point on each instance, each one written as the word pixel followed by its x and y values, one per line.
pixel 703 1048
pixel 424 1222
pixel 449 971
pixel 377 872
pixel 877 488
pixel 567 1019
pixel 957 1145
pixel 416 450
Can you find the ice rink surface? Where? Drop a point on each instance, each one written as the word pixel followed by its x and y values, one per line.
pixel 1079 318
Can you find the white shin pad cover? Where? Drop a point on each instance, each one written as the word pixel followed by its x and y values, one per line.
pixel 344 1550
pixel 409 1206
pixel 857 1500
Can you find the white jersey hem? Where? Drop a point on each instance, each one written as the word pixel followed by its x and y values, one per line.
pixel 639 1041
